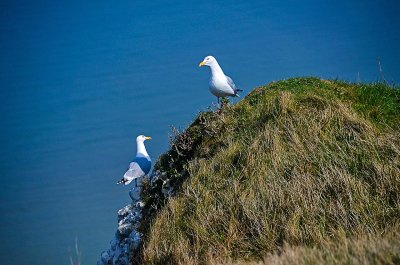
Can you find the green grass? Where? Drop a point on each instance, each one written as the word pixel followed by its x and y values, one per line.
pixel 298 164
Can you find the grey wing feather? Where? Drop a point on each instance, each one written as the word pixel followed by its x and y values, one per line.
pixel 233 86
pixel 132 173
pixel 231 83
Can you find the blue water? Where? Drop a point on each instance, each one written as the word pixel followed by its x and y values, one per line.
pixel 81 79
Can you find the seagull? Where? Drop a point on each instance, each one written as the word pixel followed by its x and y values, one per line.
pixel 220 84
pixel 140 166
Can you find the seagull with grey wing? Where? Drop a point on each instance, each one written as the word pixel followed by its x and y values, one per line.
pixel 140 166
pixel 220 84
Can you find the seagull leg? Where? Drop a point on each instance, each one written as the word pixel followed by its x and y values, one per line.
pixel 218 106
pixel 136 183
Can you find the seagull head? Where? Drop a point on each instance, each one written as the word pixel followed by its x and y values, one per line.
pixel 142 138
pixel 209 60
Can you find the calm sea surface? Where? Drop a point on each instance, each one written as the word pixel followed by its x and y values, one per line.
pixel 81 79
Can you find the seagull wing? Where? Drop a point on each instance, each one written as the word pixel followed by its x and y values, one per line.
pixel 134 171
pixel 232 85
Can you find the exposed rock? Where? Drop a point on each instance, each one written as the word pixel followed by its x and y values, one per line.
pixel 127 238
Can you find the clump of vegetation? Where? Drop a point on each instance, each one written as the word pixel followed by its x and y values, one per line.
pixel 364 250
pixel 297 166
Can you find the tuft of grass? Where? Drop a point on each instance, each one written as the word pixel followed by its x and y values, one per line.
pixel 297 164
pixel 77 252
pixel 365 250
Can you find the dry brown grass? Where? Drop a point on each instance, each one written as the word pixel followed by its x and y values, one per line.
pixel 365 250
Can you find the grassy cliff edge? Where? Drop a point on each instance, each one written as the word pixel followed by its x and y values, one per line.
pixel 292 174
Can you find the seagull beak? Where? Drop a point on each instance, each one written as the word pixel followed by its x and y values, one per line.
pixel 148 138
pixel 202 64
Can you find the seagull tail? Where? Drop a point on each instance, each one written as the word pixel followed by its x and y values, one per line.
pixel 237 92
pixel 123 182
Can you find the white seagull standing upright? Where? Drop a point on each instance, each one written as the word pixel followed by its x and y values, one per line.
pixel 220 84
pixel 140 166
